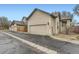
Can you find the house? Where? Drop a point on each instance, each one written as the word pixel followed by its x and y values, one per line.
pixel 18 26
pixel 66 21
pixel 24 19
pixel 44 23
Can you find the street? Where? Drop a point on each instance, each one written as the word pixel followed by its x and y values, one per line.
pixel 9 45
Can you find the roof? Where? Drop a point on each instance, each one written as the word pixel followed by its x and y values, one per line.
pixel 18 23
pixel 36 9
pixel 24 18
pixel 55 13
pixel 66 16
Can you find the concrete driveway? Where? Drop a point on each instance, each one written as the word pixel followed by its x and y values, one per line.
pixel 62 47
pixel 9 45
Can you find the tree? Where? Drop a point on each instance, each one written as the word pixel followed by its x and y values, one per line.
pixel 76 10
pixel 73 22
pixel 4 22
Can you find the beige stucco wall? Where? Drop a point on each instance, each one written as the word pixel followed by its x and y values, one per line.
pixel 39 18
pixel 60 26
pixel 13 27
pixel 64 26
pixel 68 23
pixel 56 25
pixel 21 28
pixel 42 20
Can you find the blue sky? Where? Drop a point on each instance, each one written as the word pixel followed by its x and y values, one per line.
pixel 17 11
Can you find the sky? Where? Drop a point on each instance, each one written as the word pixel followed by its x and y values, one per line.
pixel 17 11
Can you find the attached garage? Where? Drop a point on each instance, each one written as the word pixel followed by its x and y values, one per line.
pixel 39 22
pixel 39 29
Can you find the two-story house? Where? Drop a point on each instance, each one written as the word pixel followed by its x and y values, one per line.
pixel 44 23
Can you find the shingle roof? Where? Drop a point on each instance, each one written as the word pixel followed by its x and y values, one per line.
pixel 24 18
pixel 54 14
pixel 18 23
pixel 36 9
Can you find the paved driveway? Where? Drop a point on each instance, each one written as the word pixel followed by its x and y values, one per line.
pixel 59 46
pixel 9 45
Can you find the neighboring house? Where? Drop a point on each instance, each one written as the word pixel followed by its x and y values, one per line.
pixel 44 23
pixel 24 19
pixel 18 26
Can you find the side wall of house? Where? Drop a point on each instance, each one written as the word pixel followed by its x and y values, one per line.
pixel 68 23
pixel 60 26
pixel 21 28
pixel 13 27
pixel 64 26
pixel 39 20
pixel 55 25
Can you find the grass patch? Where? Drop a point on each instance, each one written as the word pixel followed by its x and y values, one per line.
pixel 77 37
pixel 69 37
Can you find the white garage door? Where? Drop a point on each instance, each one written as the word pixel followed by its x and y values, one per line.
pixel 39 29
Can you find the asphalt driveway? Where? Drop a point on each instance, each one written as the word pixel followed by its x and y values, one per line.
pixel 60 46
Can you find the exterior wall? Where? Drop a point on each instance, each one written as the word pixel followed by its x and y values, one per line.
pixel 68 23
pixel 21 28
pixel 56 25
pixel 51 25
pixel 60 26
pixel 13 27
pixel 18 28
pixel 39 18
pixel 64 26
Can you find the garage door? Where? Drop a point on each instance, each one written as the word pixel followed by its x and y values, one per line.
pixel 39 29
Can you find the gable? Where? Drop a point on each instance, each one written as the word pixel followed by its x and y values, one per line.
pixel 39 17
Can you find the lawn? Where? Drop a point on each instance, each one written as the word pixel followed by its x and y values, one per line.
pixel 68 37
